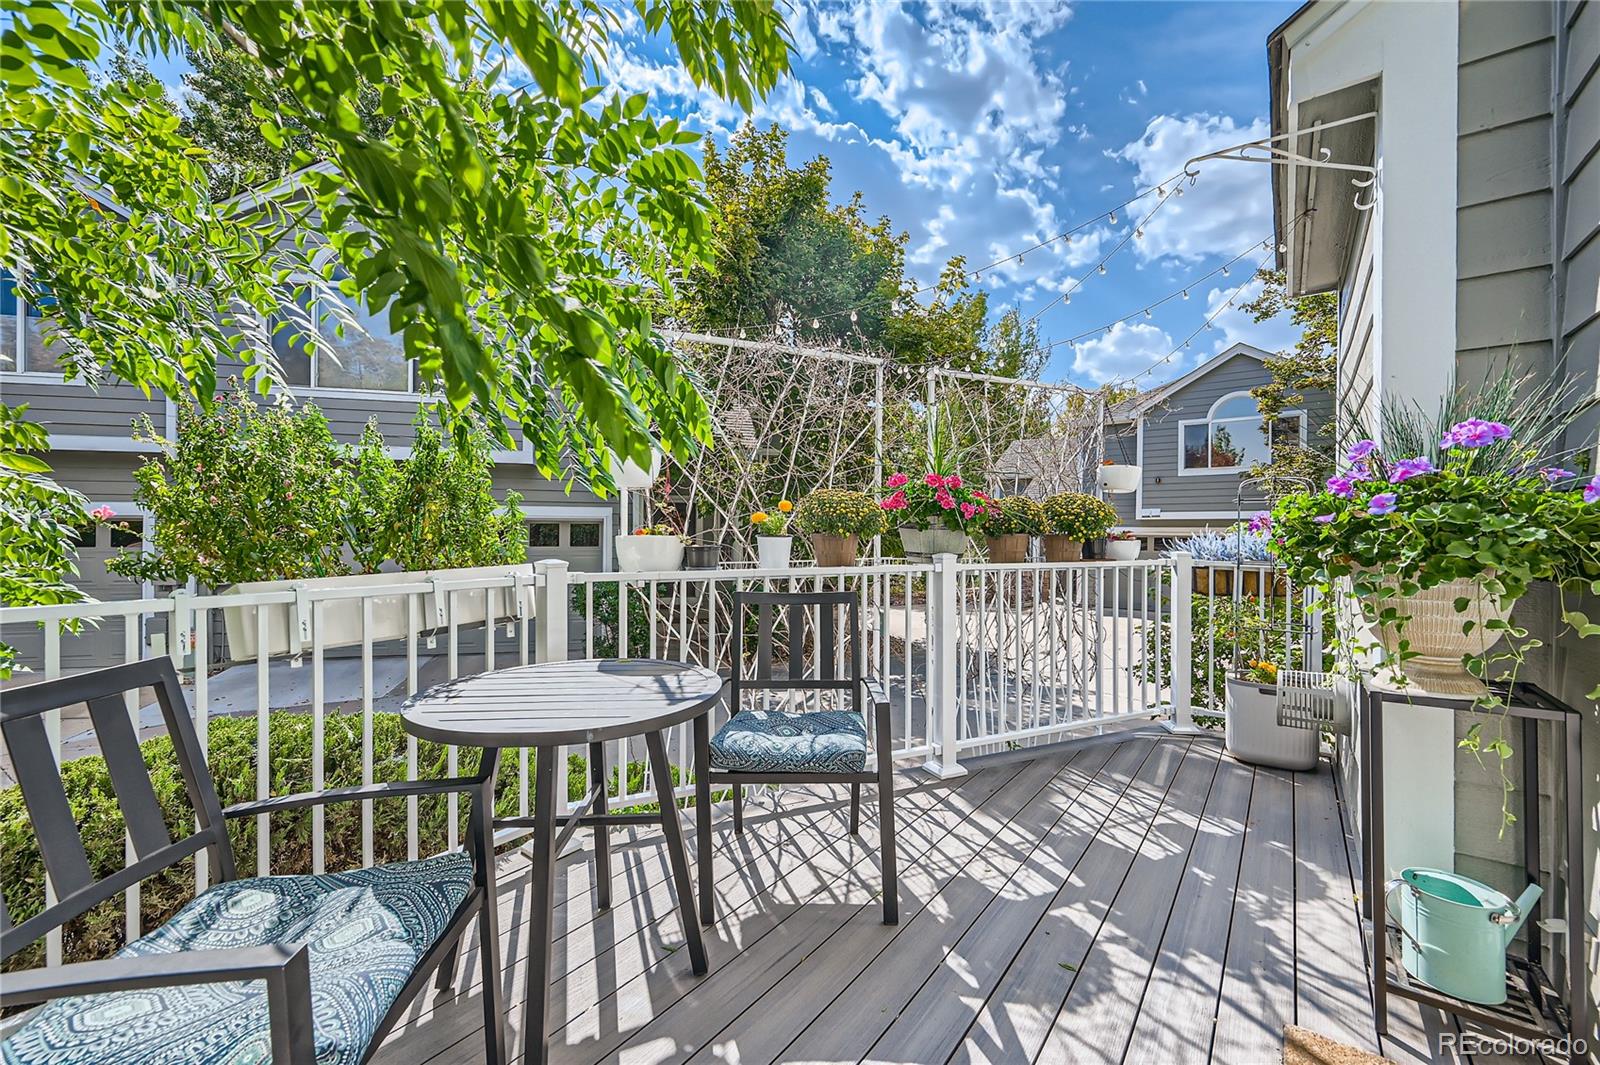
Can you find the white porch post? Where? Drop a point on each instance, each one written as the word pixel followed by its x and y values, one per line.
pixel 943 761
pixel 550 611
pixel 1182 643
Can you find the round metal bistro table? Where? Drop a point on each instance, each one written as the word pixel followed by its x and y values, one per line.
pixel 551 705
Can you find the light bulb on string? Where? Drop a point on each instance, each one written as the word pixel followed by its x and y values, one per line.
pixel 1161 190
pixel 1208 325
pixel 815 324
pixel 1178 191
pixel 1066 297
pixel 1112 218
pixel 1147 312
pixel 1138 233
pixel 1283 248
pixel 1102 268
pixel 853 316
pixel 1185 293
pixel 1224 271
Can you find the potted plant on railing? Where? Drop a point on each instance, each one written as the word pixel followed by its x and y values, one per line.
pixel 259 499
pixel 1071 518
pixel 1122 545
pixel 654 548
pixel 836 522
pixel 1438 549
pixel 936 513
pixel 1009 525
pixel 773 542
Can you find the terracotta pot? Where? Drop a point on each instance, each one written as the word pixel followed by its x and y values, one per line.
pixel 1433 633
pixel 1012 547
pixel 833 550
pixel 1058 548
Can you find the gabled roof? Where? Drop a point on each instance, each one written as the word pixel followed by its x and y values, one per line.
pixel 1133 408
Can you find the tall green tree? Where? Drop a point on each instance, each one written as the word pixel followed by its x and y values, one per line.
pixel 1309 366
pixel 509 234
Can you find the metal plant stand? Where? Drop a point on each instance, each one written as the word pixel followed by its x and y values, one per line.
pixel 1536 1008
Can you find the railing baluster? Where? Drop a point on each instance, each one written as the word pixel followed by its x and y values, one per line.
pixel 413 624
pixel 263 741
pixel 318 736
pixel 132 929
pixel 368 843
pixel 202 710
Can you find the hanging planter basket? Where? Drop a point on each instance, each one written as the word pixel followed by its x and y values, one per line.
pixel 1118 478
pixel 1433 634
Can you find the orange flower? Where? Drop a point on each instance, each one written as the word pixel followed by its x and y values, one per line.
pixel 785 506
pixel 758 517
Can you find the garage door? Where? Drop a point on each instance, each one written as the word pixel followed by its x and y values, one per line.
pixel 95 645
pixel 577 542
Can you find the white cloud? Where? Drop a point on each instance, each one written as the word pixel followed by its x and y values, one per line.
pixel 1123 351
pixel 1229 205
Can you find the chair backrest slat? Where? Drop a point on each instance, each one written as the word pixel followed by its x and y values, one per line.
pixel 60 842
pixel 46 798
pixel 130 778
pixel 826 648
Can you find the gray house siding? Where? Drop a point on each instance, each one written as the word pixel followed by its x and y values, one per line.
pixel 1203 498
pixel 74 409
pixel 1358 340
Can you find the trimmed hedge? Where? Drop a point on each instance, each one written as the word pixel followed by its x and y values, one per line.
pixel 99 933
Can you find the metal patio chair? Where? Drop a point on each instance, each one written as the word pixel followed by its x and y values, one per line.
pixel 294 969
pixel 826 746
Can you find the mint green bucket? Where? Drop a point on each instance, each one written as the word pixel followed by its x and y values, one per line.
pixel 1454 931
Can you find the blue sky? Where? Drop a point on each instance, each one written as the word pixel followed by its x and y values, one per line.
pixel 982 128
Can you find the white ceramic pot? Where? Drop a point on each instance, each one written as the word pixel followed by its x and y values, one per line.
pixel 1122 550
pixel 1116 478
pixel 649 554
pixel 1434 634
pixel 1252 732
pixel 922 544
pixel 341 615
pixel 630 475
pixel 772 552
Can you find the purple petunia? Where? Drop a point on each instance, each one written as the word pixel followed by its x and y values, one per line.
pixel 1382 503
pixel 1360 472
pixel 1591 491
pixel 1261 521
pixel 1555 473
pixel 1406 469
pixel 1323 519
pixel 1360 450
pixel 1343 487
pixel 1474 432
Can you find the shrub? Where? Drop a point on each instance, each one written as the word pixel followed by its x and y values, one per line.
pixel 605 623
pixel 1079 515
pixel 1014 515
pixel 837 512
pixel 99 933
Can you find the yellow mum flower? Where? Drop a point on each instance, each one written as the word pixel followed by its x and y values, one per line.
pixel 785 506
pixel 758 517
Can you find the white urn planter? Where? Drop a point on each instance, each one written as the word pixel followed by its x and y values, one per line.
pixel 922 544
pixel 342 613
pixel 628 474
pixel 1122 550
pixel 1116 478
pixel 649 554
pixel 1252 732
pixel 1433 634
pixel 773 552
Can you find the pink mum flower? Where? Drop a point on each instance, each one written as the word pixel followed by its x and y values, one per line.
pixel 968 510
pixel 896 480
pixel 894 502
pixel 953 481
pixel 934 480
pixel 945 499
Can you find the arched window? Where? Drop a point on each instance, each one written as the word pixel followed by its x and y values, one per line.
pixel 1231 437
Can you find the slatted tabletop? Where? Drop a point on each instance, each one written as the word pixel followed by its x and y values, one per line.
pixel 551 703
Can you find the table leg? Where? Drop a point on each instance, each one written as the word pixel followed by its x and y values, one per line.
pixel 661 769
pixel 702 815
pixel 602 834
pixel 541 903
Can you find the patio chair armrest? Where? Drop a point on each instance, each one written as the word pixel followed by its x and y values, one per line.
pixel 879 698
pixel 875 691
pixel 285 967
pixel 390 790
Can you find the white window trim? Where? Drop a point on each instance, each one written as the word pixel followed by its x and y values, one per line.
pixel 21 372
pixel 1184 423
pixel 606 516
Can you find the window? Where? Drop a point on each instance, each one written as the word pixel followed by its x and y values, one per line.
pixel 127 532
pixel 544 534
pixel 584 534
pixel 26 339
pixel 1231 436
pixel 374 359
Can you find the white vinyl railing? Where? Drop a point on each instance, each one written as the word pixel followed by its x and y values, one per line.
pixel 975 657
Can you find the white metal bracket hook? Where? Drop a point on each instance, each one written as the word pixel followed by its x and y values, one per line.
pixel 1266 151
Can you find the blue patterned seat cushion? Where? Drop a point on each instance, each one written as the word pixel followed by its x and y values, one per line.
pixel 827 741
pixel 366 931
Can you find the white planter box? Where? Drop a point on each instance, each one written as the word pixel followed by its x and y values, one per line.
pixel 649 554
pixel 341 615
pixel 1116 478
pixel 1253 734
pixel 1122 550
pixel 772 552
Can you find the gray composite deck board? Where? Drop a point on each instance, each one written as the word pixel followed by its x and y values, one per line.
pixel 1139 900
